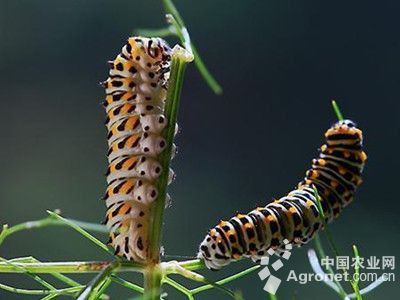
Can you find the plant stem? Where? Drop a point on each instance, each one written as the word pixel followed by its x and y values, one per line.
pixel 127 284
pixel 178 287
pixel 49 221
pixel 317 241
pixel 81 231
pixel 93 287
pixel 328 234
pixel 225 280
pixel 69 267
pixel 337 111
pixel 152 282
pixel 30 274
pixel 200 65
pixel 192 265
pixel 321 254
pixel 101 291
pixel 153 274
pixel 273 297
pixel 11 289
pixel 354 282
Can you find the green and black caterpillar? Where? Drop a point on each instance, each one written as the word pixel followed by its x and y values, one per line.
pixel 335 175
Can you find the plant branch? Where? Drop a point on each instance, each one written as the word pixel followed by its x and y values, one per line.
pixel 81 231
pixel 91 290
pixel 48 221
pixel 355 282
pixel 70 267
pixel 273 297
pixel 181 32
pixel 327 232
pixel 337 111
pixel 153 276
pixel 179 287
pixel 318 244
pixel 30 274
pixel 127 284
pixel 101 290
pixel 71 290
pixel 225 280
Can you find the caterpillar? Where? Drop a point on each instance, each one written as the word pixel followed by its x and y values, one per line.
pixel 135 97
pixel 335 175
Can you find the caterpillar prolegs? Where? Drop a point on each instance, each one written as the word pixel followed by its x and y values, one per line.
pixel 335 174
pixel 135 96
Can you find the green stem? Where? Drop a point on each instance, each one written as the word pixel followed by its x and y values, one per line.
pixel 273 297
pixel 153 275
pixel 70 267
pixel 48 297
pixel 71 290
pixel 30 274
pixel 322 254
pixel 31 259
pixel 127 284
pixel 225 280
pixel 355 282
pixel 192 265
pixel 179 287
pixel 49 221
pixel 152 282
pixel 337 111
pixel 318 244
pixel 327 232
pixel 92 289
pixel 101 291
pixel 173 267
pixel 81 231
pixel 200 65
pixel 205 73
pixel 171 9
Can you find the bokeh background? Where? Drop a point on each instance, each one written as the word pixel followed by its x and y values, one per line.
pixel 280 63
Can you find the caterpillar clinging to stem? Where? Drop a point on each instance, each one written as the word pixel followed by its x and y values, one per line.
pixel 135 98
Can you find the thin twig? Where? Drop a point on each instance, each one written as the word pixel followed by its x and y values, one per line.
pixel 30 274
pixel 178 287
pixel 205 73
pixel 58 276
pixel 225 280
pixel 70 267
pixel 127 284
pixel 48 221
pixel 93 287
pixel 82 232
pixel 337 111
pixel 354 282
pixel 71 290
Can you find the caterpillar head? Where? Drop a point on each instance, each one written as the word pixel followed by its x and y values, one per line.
pixel 344 132
pixel 211 252
pixel 148 52
pixel 346 122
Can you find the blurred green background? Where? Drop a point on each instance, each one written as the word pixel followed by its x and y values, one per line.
pixel 280 63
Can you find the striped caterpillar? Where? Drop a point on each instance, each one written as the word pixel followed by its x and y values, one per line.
pixel 335 174
pixel 135 96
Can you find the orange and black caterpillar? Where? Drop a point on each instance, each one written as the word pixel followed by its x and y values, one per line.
pixel 335 174
pixel 135 96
